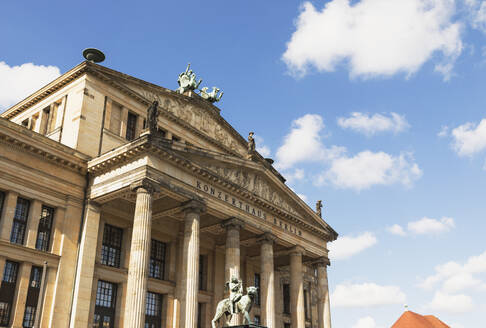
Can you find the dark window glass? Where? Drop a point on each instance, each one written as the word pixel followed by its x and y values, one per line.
pixel 45 227
pixel 153 310
pixel 286 298
pixel 257 320
pixel 111 247
pixel 131 126
pixel 157 260
pixel 105 305
pixel 200 313
pixel 7 291
pixel 176 138
pixel 257 285
pixel 29 316
pixel 20 221
pixel 286 325
pixel 306 307
pixel 202 272
pixel 32 296
pixel 2 197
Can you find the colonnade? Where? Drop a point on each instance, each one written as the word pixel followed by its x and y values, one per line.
pixel 138 275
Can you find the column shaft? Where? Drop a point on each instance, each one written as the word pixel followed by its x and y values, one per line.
pixel 139 260
pixel 190 263
pixel 296 290
pixel 22 288
pixel 232 256
pixel 323 303
pixel 6 221
pixel 33 223
pixel 267 285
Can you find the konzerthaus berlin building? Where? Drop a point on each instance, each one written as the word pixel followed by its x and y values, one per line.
pixel 105 223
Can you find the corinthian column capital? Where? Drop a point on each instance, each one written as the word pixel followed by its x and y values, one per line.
pixel 145 184
pixel 233 223
pixel 194 206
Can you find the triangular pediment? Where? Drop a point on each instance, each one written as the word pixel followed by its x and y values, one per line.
pixel 189 110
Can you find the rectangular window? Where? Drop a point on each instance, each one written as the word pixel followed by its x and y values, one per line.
pixel 202 272
pixel 51 125
pixel 111 247
pixel 20 221
pixel 257 320
pixel 131 126
pixel 44 230
pixel 200 315
pixel 115 119
pixel 7 291
pixel 32 296
pixel 286 325
pixel 286 298
pixel 153 310
pixel 104 316
pixel 306 307
pixel 176 138
pixel 257 285
pixel 157 260
pixel 2 198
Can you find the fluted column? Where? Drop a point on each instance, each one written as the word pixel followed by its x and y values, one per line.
pixel 232 258
pixel 267 285
pixel 139 256
pixel 190 263
pixel 296 288
pixel 323 303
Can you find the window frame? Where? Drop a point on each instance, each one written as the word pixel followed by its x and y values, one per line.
pixel 286 298
pixel 151 306
pixel 101 309
pixel 131 132
pixel 7 290
pixel 20 219
pixel 257 283
pixel 110 249
pixel 155 260
pixel 45 228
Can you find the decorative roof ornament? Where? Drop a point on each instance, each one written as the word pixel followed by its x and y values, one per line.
pixel 319 208
pixel 187 80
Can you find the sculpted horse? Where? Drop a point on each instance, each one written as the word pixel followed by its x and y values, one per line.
pixel 242 306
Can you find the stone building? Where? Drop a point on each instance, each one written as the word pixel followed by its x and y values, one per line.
pixel 106 224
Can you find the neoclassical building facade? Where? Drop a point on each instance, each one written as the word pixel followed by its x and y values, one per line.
pixel 105 223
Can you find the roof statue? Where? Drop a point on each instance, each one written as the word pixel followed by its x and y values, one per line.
pixel 319 208
pixel 211 96
pixel 187 80
pixel 152 116
pixel 251 143
pixel 236 303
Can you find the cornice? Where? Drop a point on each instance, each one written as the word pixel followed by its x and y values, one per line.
pixel 146 144
pixel 25 140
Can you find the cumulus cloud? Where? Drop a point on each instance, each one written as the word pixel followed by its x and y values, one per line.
pixel 458 303
pixel 366 322
pixel 293 176
pixel 347 246
pixel 431 226
pixel 453 277
pixel 477 13
pixel 469 138
pixel 263 149
pixel 366 294
pixel 367 169
pixel 397 230
pixel 17 82
pixel 303 143
pixel 374 37
pixel 444 131
pixel 370 125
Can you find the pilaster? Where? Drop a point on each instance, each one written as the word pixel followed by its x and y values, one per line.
pixel 33 223
pixel 22 289
pixel 6 221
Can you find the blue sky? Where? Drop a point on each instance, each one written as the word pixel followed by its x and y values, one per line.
pixel 373 106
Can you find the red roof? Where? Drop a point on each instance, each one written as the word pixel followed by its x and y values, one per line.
pixel 411 319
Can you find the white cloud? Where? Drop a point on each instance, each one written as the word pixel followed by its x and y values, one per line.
pixel 303 143
pixel 454 277
pixel 261 147
pixel 374 37
pixel 397 230
pixel 367 168
pixel 459 303
pixel 469 138
pixel 296 175
pixel 303 197
pixel 17 82
pixel 431 226
pixel 370 125
pixel 477 13
pixel 347 246
pixel 367 294
pixel 366 322
pixel 444 131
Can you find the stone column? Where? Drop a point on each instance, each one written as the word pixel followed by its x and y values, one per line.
pixel 139 256
pixel 190 263
pixel 267 284
pixel 22 288
pixel 33 223
pixel 6 220
pixel 323 303
pixel 232 260
pixel 86 265
pixel 296 288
